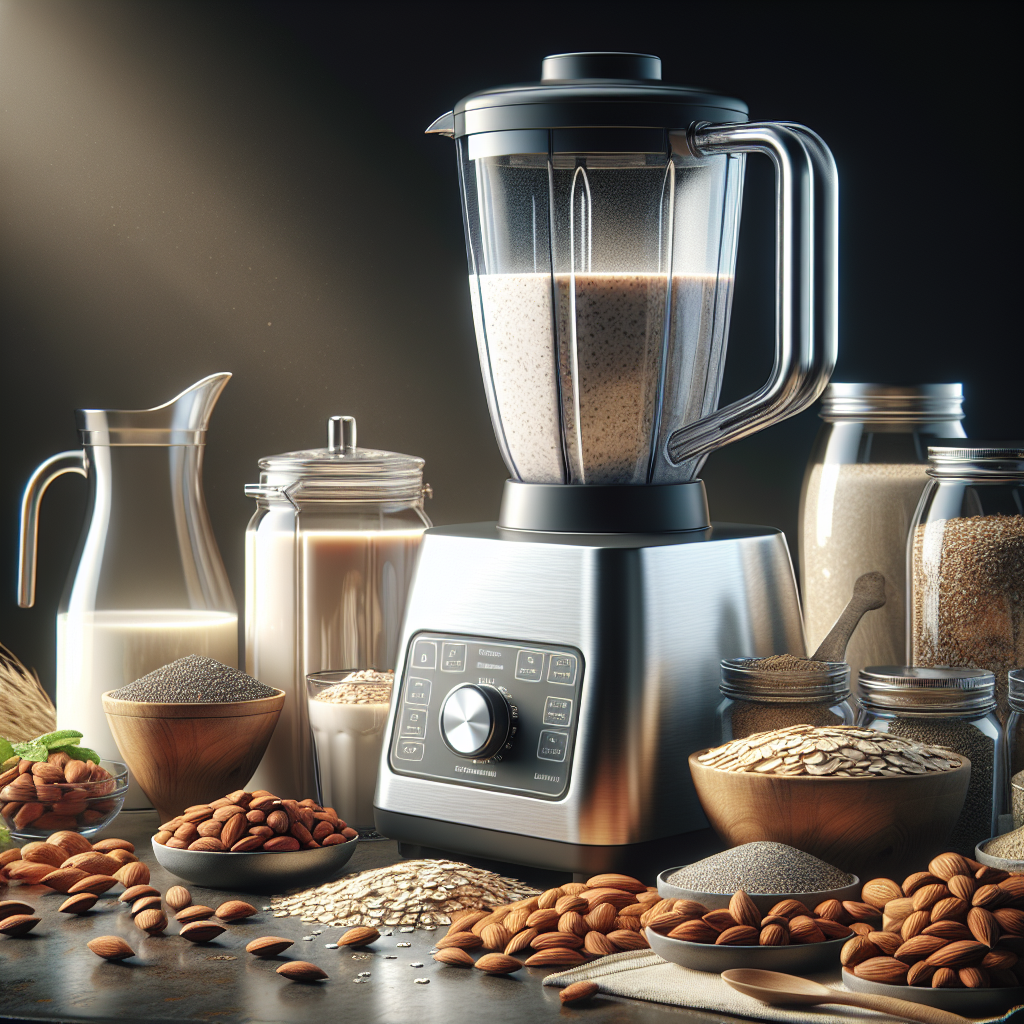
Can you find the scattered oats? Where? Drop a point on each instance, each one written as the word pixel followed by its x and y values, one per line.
pixel 330 945
pixel 307 938
pixel 281 913
pixel 363 974
pixel 391 958
pixel 415 965
pixel 358 981
pixel 404 945
pixel 266 908
pixel 421 981
pixel 407 929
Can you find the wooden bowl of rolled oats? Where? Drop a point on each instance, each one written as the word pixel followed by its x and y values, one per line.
pixel 877 813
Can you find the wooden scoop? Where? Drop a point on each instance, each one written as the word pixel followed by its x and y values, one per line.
pixel 783 989
pixel 868 593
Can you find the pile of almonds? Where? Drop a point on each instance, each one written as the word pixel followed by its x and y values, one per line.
pixel 244 822
pixel 789 922
pixel 58 793
pixel 67 862
pixel 561 927
pixel 960 924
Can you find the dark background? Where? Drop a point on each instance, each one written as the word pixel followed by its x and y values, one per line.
pixel 193 187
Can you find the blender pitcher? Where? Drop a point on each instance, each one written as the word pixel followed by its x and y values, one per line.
pixel 149 586
pixel 602 212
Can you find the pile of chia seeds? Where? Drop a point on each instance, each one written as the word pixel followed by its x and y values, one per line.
pixel 763 868
pixel 194 680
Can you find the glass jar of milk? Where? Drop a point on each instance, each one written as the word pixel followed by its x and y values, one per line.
pixel 330 552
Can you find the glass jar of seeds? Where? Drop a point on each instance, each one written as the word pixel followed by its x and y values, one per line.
pixel 762 694
pixel 1015 744
pixel 861 488
pixel 966 561
pixel 945 707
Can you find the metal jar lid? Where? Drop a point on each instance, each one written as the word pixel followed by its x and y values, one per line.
pixel 969 459
pixel 913 690
pixel 740 681
pixel 1015 693
pixel 892 403
pixel 340 471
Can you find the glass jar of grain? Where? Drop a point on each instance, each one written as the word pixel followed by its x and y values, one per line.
pixel 946 707
pixel 1015 744
pixel 966 561
pixel 861 488
pixel 760 701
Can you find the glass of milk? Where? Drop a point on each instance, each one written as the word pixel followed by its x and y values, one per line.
pixel 347 714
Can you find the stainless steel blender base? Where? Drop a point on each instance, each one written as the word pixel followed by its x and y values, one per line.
pixel 651 616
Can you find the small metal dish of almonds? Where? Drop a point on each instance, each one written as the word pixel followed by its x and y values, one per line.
pixel 951 936
pixel 791 937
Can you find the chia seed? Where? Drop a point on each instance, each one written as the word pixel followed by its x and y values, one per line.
pixel 761 868
pixel 194 680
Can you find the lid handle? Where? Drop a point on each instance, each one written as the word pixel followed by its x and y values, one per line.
pixel 561 67
pixel 341 435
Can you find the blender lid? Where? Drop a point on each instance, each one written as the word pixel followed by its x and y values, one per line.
pixel 589 90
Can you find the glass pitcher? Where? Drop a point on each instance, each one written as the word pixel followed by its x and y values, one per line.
pixel 150 585
pixel 602 212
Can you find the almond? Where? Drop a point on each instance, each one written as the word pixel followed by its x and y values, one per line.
pixel 96 884
pixel 946 865
pixel 493 918
pixel 302 971
pixel 554 940
pixel 521 940
pixel 631 924
pixel 945 977
pixel 899 909
pixel 999 959
pixel 775 935
pixel 920 947
pixel 598 944
pixel 1014 885
pixel 974 977
pixel 207 844
pixel 886 969
pixel 111 947
pixel 460 940
pixel 454 957
pixel 664 923
pixel 516 919
pixel 279 844
pixel 94 863
pixel 958 954
pixel 361 936
pixel 963 886
pixel 578 991
pixel 666 906
pixel 738 935
pixel 70 842
pixel 990 876
pixel 636 909
pixel 495 936
pixel 950 909
pixel 9 856
pixel 17 924
pixel 1011 921
pixel 28 873
pixel 201 931
pixel 694 930
pixel 43 853
pixel 804 930
pixel 135 873
pixel 983 925
pixel 567 903
pixel 268 946
pixel 146 903
pixel 161 838
pixel 951 931
pixel 920 973
pixel 9 907
pixel 573 888
pixel 915 924
pixel 790 908
pixel 720 920
pixel 616 897
pixel 549 898
pixel 559 957
pixel 854 952
pixel 573 924
pixel 194 913
pixel 62 879
pixel 861 928
pixel 249 844
pixel 106 845
pixel 914 882
pixel 880 891
pixel 498 963
pixel 614 881
pixel 228 811
pixel 601 918
pixel 989 896
pixel 122 856
pixel 625 939
pixel 235 910
pixel 832 910
pixel 832 929
pixel 466 921
pixel 887 942
pixel 178 897
pixel 928 895
pixel 152 921
pixel 744 910
pixel 80 903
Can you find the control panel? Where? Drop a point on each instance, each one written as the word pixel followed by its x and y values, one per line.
pixel 488 713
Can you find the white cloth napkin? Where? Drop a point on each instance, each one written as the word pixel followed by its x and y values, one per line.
pixel 642 974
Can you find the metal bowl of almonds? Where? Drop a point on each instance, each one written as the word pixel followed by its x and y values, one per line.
pixel 857 798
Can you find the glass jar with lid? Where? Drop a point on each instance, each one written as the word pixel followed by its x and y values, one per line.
pixel 966 561
pixel 1015 744
pixel 863 481
pixel 761 700
pixel 945 707
pixel 330 553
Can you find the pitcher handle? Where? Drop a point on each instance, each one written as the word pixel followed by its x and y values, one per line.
pixel 807 278
pixel 66 462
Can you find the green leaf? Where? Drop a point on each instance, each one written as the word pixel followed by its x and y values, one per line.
pixel 33 750
pixel 82 754
pixel 61 738
pixel 5 838
pixel 6 750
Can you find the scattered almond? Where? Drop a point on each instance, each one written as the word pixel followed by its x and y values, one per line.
pixel 193 913
pixel 578 991
pixel 235 910
pixel 498 963
pixel 111 947
pixel 268 946
pixel 17 924
pixel 454 957
pixel 152 921
pixel 201 931
pixel 302 971
pixel 80 903
pixel 361 936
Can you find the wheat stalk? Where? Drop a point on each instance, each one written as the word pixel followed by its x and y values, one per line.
pixel 25 709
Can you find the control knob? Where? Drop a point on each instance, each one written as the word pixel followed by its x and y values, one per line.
pixel 475 721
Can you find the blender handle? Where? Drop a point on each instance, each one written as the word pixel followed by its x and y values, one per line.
pixel 66 462
pixel 806 311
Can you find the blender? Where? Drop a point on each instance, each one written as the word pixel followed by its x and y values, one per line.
pixel 558 666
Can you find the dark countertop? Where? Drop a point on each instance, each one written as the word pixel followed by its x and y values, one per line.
pixel 50 975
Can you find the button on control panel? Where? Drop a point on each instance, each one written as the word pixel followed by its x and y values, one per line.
pixel 488 712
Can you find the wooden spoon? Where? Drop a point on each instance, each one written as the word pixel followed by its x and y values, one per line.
pixel 782 989
pixel 868 593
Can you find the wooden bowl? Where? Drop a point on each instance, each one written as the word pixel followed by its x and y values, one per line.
pixel 868 826
pixel 184 754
